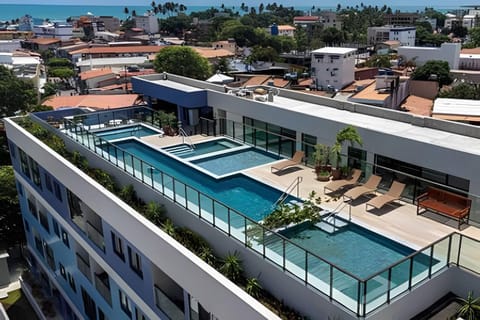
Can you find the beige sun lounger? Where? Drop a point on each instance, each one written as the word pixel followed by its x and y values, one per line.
pixel 368 187
pixel 296 159
pixel 339 184
pixel 394 193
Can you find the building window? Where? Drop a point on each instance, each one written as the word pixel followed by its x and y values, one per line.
pixel 139 315
pixel 44 220
pixel 135 262
pixel 58 192
pixel 56 229
pixel 24 163
pixel 35 173
pixel 101 315
pixel 118 246
pixel 71 282
pixel 65 238
pixel 20 188
pixel 50 256
pixel 63 273
pixel 89 305
pixel 124 303
pixel 48 182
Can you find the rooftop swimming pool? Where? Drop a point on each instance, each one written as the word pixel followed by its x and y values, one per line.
pixel 202 148
pixel 239 192
pixel 138 130
pixel 235 161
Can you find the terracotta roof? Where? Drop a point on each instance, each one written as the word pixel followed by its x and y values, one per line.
pixel 306 18
pixel 256 80
pixel 93 101
pixel 90 74
pixel 369 93
pixel 418 105
pixel 286 27
pixel 213 53
pixel 137 73
pixel 471 51
pixel 279 82
pixel 43 41
pixel 119 49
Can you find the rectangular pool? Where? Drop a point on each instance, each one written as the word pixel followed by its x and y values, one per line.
pixel 184 151
pixel 138 131
pixel 235 161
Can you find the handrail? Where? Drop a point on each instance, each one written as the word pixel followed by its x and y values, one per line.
pixel 186 137
pixel 335 211
pixel 295 184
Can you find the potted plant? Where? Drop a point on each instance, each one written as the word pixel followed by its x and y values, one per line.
pixel 350 135
pixel 321 159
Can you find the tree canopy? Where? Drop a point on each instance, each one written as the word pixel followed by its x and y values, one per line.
pixel 462 91
pixel 15 94
pixel 183 61
pixel 11 226
pixel 434 70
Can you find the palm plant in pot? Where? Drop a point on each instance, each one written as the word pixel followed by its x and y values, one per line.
pixel 348 135
pixel 321 158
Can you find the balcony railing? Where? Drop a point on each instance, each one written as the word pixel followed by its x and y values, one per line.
pixel 361 296
pixel 102 284
pixel 95 235
pixel 166 305
pixel 84 267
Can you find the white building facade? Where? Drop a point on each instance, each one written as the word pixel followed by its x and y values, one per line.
pixel 333 67
pixel 148 22
pixel 54 30
pixel 449 52
pixel 405 35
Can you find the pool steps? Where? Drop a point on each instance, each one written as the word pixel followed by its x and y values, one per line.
pixel 178 150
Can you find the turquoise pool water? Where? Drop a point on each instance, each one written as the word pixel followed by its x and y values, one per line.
pixel 248 196
pixel 184 151
pixel 130 131
pixel 235 161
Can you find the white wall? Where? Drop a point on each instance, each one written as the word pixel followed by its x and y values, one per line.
pixel 449 52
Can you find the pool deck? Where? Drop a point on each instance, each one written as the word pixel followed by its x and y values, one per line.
pixel 398 221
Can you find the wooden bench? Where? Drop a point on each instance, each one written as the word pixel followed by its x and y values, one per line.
pixel 445 203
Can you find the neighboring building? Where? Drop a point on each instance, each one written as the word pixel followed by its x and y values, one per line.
pixel 470 21
pixel 10 45
pixel 431 21
pixel 13 35
pixel 147 22
pixel 405 35
pixel 95 78
pixel 109 23
pixel 56 30
pixel 25 67
pixel 118 63
pixel 98 257
pixel 449 52
pixel 330 19
pixel 333 67
pixel 469 59
pixel 452 21
pixel 406 19
pixel 282 30
pixel 229 45
pixel 113 51
pixel 42 44
pixel 461 110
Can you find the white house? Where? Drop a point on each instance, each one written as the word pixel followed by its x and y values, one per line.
pixel 148 22
pixel 53 30
pixel 333 67
pixel 449 52
pixel 405 35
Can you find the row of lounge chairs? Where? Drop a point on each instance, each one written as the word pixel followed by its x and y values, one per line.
pixel 369 187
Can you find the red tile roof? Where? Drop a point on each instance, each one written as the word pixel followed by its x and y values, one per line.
pixel 119 49
pixel 306 18
pixel 90 74
pixel 93 101
pixel 44 41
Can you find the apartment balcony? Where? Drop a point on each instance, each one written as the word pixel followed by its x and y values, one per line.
pixel 102 284
pixel 95 235
pixel 84 266
pixel 163 302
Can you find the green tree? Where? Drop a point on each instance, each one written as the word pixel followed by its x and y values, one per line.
pixel 301 39
pixel 183 61
pixel 381 61
pixel 332 36
pixel 462 91
pixel 15 94
pixel 474 34
pixel 63 73
pixel 11 226
pixel 434 70
pixel 59 62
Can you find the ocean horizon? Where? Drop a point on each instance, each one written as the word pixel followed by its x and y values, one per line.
pixel 62 12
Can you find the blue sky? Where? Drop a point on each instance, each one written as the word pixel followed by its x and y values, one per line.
pixel 323 3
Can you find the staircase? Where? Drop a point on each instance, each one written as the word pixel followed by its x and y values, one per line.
pixel 180 151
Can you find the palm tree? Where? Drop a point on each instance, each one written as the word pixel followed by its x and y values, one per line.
pixel 253 287
pixel 169 227
pixel 470 309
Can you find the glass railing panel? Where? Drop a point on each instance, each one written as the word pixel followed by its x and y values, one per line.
pixel 454 248
pixel 180 193
pixel 167 187
pixel 469 254
pixel 318 274
pixel 440 255
pixel 237 226
pixel 193 200
pixel 163 302
pixel 137 167
pixel 421 265
pixel 95 235
pixel 399 278
pixel 295 260
pixel 206 208
pixel 128 160
pixel 377 290
pixel 274 247
pixel 105 153
pixel 220 216
pixel 102 288
pixel 345 289
pixel 147 172
pixel 254 236
pixel 157 180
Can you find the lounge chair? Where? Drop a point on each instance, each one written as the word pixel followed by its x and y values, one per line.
pixel 336 185
pixel 296 159
pixel 368 187
pixel 394 193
